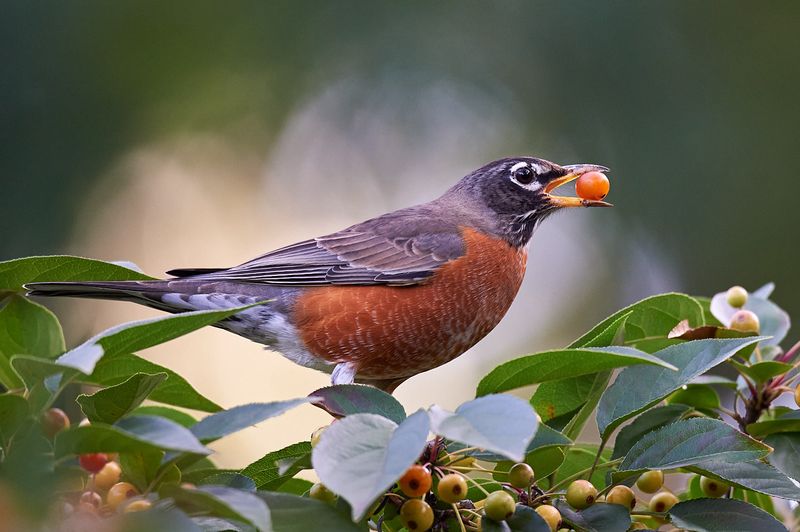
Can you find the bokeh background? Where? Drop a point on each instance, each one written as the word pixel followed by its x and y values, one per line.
pixel 188 134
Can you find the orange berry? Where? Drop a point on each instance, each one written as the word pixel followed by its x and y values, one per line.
pixel 416 481
pixel 592 186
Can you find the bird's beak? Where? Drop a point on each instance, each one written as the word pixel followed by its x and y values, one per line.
pixel 573 172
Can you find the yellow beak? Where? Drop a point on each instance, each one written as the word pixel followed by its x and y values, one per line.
pixel 574 171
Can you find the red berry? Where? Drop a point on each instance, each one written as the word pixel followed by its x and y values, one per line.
pixel 93 462
pixel 592 186
pixel 416 481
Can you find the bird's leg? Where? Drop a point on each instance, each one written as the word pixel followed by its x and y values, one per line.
pixel 344 373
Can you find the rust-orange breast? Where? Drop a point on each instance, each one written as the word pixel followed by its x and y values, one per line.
pixel 394 332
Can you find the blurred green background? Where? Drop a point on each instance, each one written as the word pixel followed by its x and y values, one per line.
pixel 204 133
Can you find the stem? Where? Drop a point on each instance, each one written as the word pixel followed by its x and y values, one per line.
pixel 597 457
pixel 458 516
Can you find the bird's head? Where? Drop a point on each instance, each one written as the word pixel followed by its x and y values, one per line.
pixel 518 192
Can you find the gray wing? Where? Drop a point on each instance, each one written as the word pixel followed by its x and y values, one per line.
pixel 395 250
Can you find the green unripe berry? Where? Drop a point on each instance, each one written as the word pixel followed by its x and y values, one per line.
pixel 581 494
pixel 499 506
pixel 321 493
pixel 623 496
pixel 551 516
pixel 713 488
pixel 452 488
pixel 651 481
pixel 745 321
pixel 662 502
pixel 521 476
pixel 736 296
pixel 417 515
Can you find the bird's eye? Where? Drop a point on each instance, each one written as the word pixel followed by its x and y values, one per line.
pixel 523 175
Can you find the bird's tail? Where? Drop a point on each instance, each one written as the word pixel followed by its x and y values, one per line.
pixel 143 292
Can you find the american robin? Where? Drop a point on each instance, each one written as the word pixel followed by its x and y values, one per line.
pixel 385 299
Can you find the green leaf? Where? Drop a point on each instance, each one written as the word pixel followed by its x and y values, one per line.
pixel 774 322
pixel 553 399
pixel 265 471
pixel 15 273
pixel 26 328
pixel 362 455
pixel 221 424
pixel 712 380
pixel 181 418
pixel 753 475
pixel 689 441
pixel 345 399
pixel 651 317
pixel 786 423
pixel 580 457
pixel 474 493
pixel 599 384
pixel 786 453
pixel 758 499
pixel 174 391
pixel 231 479
pixel 700 396
pixel 599 517
pixel 224 502
pixel 141 466
pixel 722 515
pixel 110 404
pixel 561 364
pixel 301 514
pixel 762 371
pixel 647 422
pixel 640 387
pixel 35 370
pixel 502 424
pixel 134 336
pixel 295 486
pixel 603 334
pixel 13 412
pixel 546 460
pixel 130 434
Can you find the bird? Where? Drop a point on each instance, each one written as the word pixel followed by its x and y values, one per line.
pixel 385 299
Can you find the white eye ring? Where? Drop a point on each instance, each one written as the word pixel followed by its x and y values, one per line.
pixel 534 185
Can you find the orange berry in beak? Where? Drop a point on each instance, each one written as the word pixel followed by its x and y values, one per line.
pixel 592 186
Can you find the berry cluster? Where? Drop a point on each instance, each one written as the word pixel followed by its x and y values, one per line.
pixel 102 492
pixel 437 494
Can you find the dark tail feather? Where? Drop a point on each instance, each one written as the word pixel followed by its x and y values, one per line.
pixel 143 292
